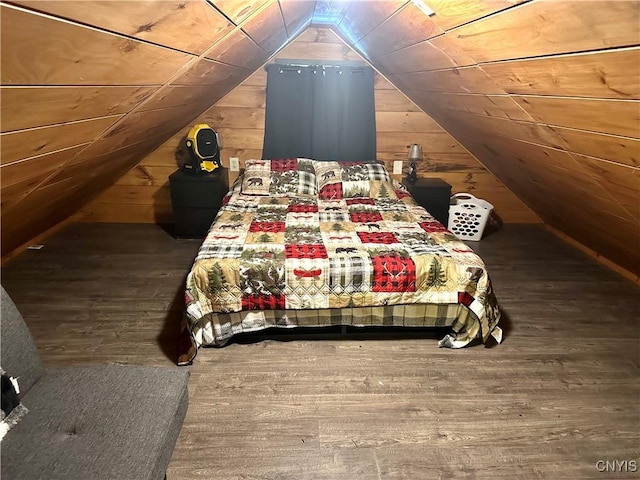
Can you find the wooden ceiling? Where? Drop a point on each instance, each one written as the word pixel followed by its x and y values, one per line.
pixel 544 93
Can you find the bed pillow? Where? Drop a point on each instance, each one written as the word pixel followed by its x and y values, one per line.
pixel 285 176
pixel 337 180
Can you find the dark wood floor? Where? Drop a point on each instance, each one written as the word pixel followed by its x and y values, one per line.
pixel 558 396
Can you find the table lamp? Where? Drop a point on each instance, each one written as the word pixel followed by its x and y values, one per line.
pixel 415 155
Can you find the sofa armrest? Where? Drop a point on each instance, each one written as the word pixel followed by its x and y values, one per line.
pixel 20 357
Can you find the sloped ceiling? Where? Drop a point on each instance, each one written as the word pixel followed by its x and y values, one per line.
pixel 544 93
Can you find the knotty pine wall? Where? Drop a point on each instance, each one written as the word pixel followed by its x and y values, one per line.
pixel 142 195
pixel 546 94
pixel 90 88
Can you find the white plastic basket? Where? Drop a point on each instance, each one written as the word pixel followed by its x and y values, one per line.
pixel 468 216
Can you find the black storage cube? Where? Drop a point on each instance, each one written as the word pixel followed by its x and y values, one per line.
pixel 196 199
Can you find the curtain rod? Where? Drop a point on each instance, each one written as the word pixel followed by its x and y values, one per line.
pixel 297 68
pixel 286 62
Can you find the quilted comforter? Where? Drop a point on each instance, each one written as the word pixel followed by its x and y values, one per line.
pixel 288 253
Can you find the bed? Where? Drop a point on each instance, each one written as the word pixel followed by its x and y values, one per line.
pixel 307 243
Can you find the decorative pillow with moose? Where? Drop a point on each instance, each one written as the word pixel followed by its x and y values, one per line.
pixel 337 180
pixel 279 177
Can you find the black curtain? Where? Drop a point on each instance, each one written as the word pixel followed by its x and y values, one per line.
pixel 320 112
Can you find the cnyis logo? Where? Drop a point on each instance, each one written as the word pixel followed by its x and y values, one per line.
pixel 617 466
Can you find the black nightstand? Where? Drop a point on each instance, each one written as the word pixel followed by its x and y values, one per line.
pixel 433 194
pixel 196 200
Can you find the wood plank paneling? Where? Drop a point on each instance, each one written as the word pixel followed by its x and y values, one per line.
pixel 206 72
pixel 390 100
pixel 36 141
pixel 28 107
pixel 161 156
pixel 601 74
pixel 621 181
pixel 451 13
pixel 296 15
pixel 452 80
pixel 136 195
pixel 387 37
pixel 616 117
pixel 533 170
pixel 71 52
pixel 252 97
pixel 19 179
pixel 191 26
pixel 235 117
pixel 241 138
pixel 418 57
pixel 488 126
pixel 43 209
pixel 556 75
pixel 566 208
pixel 501 106
pixel 87 168
pixel 436 142
pixel 570 196
pixel 12 194
pixel 405 122
pixel 178 96
pixel 318 44
pixel 506 159
pixel 150 176
pixel 138 126
pixel 542 28
pixel 19 171
pixel 267 28
pixel 145 174
pixel 239 119
pixel 362 17
pixel 451 162
pixel 237 49
pixel 40 50
pixel 238 10
pixel 98 212
pixel 623 150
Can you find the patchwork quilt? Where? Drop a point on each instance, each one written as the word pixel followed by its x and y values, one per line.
pixel 303 235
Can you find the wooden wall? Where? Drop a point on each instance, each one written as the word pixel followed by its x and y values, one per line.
pixel 544 93
pixel 89 88
pixel 142 195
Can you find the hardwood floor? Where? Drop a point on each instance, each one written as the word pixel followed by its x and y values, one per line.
pixel 559 395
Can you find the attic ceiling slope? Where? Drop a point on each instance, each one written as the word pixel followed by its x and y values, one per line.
pixel 545 94
pixel 89 88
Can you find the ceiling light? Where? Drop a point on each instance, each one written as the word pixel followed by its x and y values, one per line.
pixel 426 9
